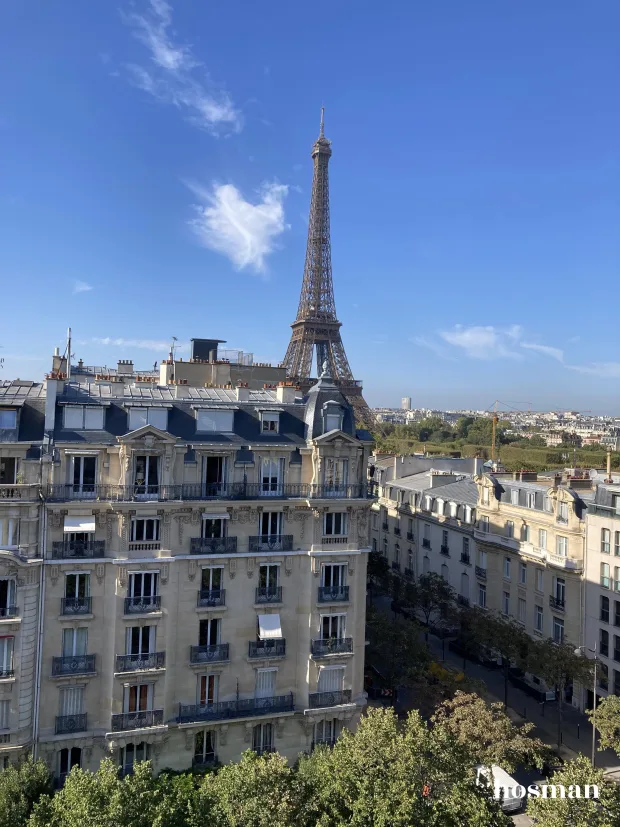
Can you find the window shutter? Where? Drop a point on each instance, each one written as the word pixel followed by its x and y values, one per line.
pixel 331 680
pixel 265 683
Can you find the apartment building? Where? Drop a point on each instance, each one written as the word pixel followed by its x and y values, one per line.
pixel 199 557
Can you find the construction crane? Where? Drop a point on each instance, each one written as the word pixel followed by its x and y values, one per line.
pixel 495 420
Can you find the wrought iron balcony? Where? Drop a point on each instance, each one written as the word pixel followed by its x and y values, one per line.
pixel 213 545
pixel 333 594
pixel 66 724
pixel 137 720
pixel 397 531
pixel 410 536
pixel 142 605
pixel 271 542
pixel 465 559
pixel 76 605
pixel 134 663
pixel 556 602
pixel 426 543
pixel 213 653
pixel 73 665
pixel 445 550
pixel 268 648
pixel 72 549
pixel 211 597
pixel 7 673
pixel 268 594
pixel 242 708
pixel 481 573
pixel 199 762
pixel 461 600
pixel 9 611
pixel 317 700
pixel 332 646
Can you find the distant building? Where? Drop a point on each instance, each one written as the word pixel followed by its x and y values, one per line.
pixel 405 403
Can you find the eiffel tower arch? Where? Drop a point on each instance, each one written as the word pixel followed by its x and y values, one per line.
pixel 316 329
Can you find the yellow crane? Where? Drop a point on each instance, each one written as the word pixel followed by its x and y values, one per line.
pixel 495 420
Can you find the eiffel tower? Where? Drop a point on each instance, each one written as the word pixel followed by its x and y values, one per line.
pixel 317 325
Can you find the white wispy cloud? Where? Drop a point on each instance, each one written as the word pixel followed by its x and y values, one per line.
pixel 81 286
pixel 243 231
pixel 144 344
pixel 175 76
pixel 546 350
pixel 436 348
pixel 484 342
pixel 606 370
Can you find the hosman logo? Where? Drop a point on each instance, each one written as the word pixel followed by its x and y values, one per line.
pixel 546 791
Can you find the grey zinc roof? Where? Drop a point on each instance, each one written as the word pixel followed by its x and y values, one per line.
pixel 462 491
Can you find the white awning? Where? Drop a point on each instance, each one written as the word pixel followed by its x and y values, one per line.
pixel 81 524
pixel 269 626
pixel 207 516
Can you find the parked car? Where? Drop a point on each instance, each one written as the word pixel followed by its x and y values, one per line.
pixel 503 785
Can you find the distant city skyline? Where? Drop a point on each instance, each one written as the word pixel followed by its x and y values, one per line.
pixel 156 165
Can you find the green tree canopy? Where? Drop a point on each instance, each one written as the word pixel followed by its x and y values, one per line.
pixel 607 722
pixel 21 785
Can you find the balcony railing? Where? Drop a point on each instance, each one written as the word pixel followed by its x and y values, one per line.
pixel 317 700
pixel 271 542
pixel 9 611
pixel 242 708
pixel 144 545
pixel 201 761
pixel 333 594
pixel 137 720
pixel 269 648
pixel 556 602
pixel 73 665
pixel 66 724
pixel 72 549
pixel 397 531
pixel 426 543
pixel 211 653
pixel 142 605
pixel 332 646
pixel 465 559
pixel 135 663
pixel 7 673
pixel 213 545
pixel 191 491
pixel 334 540
pixel 19 491
pixel 410 536
pixel 268 594
pixel 76 605
pixel 211 597
pixel 445 550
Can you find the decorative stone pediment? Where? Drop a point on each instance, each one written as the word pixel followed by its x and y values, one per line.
pixel 336 437
pixel 148 437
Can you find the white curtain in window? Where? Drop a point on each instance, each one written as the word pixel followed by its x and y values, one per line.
pixel 331 679
pixel 265 683
pixel 71 700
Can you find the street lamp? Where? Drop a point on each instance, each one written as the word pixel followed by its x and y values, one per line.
pixel 580 650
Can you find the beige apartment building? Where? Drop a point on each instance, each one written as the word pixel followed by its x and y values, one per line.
pixel 199 558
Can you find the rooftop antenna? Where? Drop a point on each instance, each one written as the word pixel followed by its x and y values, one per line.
pixel 68 353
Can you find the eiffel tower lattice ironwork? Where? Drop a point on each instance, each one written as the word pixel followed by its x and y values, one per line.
pixel 317 326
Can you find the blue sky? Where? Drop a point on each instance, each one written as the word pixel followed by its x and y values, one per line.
pixel 155 181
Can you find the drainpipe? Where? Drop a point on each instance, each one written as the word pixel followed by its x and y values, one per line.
pixel 37 675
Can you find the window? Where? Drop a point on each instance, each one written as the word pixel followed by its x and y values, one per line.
pixel 531 499
pixel 445 572
pixel 336 474
pixel 335 523
pixel 617 543
pixel 333 627
pixel 616 613
pixel 67 759
pixel 561 546
pixel 562 512
pixel 605 575
pixel 559 590
pixel 213 528
pixel 144 530
pixel 204 747
pixel 539 580
pixel 331 679
pixel 71 700
pixel 542 538
pixel 8 419
pixel 514 496
pixel 209 631
pixel 385 547
pixel 156 417
pixel 146 475
pixel 510 528
pixel 465 585
pixel 332 418
pixel 604 642
pixel 439 507
pixel 213 474
pixel 8 470
pixel 484 524
pixel 84 475
pixel 482 559
pixel 397 554
pixel 270 422
pixel 466 547
pixel 558 630
pixel 603 676
pixel 271 524
pixel 427 532
pixel 426 564
pixel 605 541
pixel 140 640
pixel 548 504
pixel 9 532
pixel 604 615
pixel 334 574
pixel 521 610
pixel 74 642
pixel 262 738
pixel 272 475
pixel 5 710
pixel 485 496
pixel 522 574
pixel 83 418
pixel 468 512
pixel 507 568
pixel 143 584
pixel 453 509
pixel 506 602
pixel 374 544
pixel 138 698
pixel 132 754
pixel 207 689
pixel 269 579
pixel 538 618
pixel 482 596
pixel 525 533
pixel 265 683
pixel 410 560
pixel 615 503
pixel 6 656
pixel 326 732
pixel 444 539
pixel 211 578
pixel 7 596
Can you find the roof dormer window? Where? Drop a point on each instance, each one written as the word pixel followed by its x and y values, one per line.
pixel 8 419
pixel 139 417
pixel 83 418
pixel 214 420
pixel 332 417
pixel 270 422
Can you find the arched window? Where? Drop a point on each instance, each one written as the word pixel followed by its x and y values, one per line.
pixel 445 572
pixel 465 585
pixel 605 575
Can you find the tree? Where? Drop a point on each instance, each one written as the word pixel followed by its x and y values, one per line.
pixel 557 664
pixel 537 442
pixel 573 811
pixel 607 722
pixel 378 571
pixel 463 424
pixel 21 785
pixel 395 649
pixel 432 595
